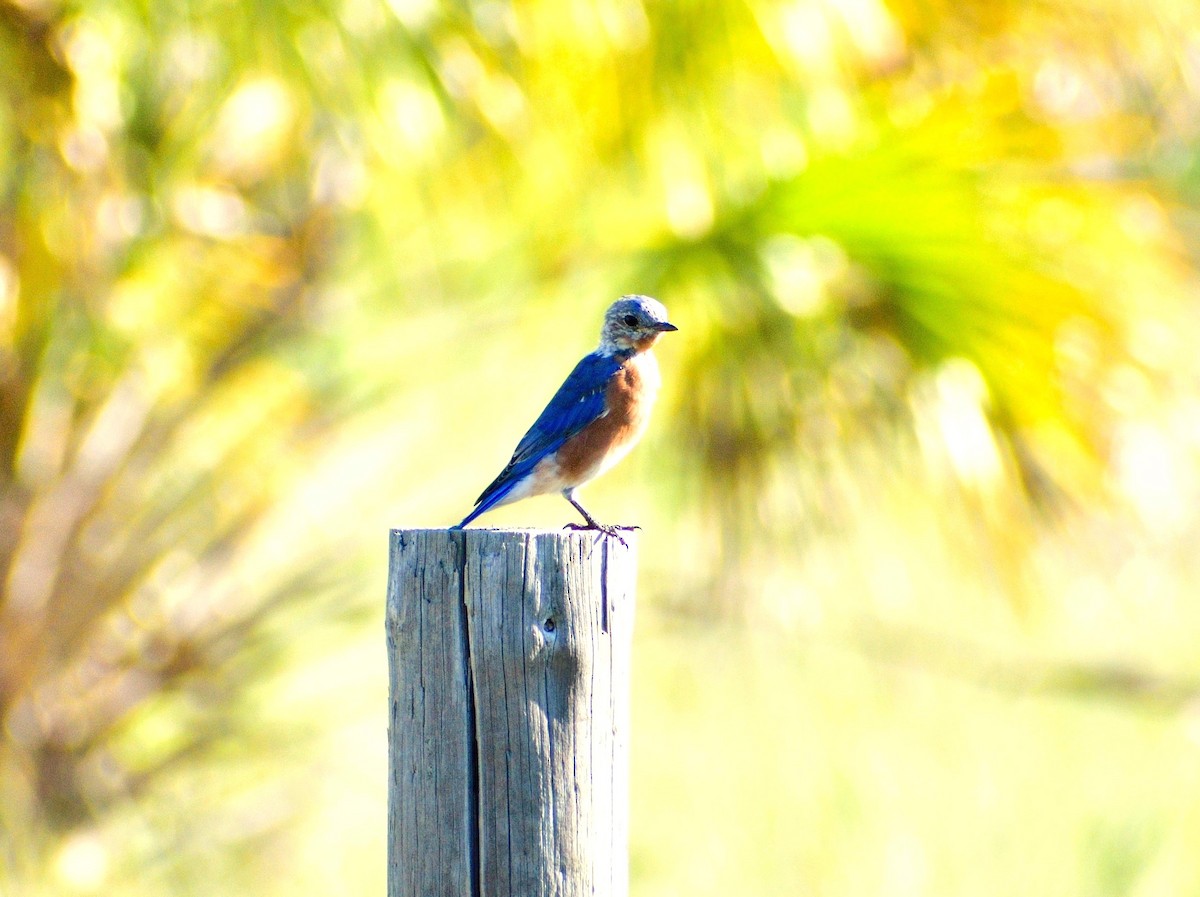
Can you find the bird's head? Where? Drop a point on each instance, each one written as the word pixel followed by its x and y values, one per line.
pixel 634 322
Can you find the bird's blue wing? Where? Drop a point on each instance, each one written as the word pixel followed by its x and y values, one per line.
pixel 578 402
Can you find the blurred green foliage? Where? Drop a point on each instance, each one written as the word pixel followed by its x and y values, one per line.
pixel 919 504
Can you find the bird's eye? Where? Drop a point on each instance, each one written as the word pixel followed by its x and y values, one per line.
pixel 630 320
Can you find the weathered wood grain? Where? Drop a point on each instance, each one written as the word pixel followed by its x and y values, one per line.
pixel 432 848
pixel 510 675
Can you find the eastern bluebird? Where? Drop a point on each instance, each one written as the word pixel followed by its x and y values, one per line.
pixel 594 419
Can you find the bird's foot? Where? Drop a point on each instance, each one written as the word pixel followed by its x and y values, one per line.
pixel 605 528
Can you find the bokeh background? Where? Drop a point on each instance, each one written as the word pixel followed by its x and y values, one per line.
pixel 920 505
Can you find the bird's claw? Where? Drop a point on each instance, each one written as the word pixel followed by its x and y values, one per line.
pixel 605 528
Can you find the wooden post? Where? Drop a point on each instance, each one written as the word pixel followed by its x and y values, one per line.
pixel 508 737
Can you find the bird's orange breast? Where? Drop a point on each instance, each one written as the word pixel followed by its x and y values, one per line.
pixel 628 399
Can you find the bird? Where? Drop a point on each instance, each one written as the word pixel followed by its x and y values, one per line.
pixel 598 414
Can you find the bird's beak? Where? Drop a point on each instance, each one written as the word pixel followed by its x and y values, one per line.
pixel 664 327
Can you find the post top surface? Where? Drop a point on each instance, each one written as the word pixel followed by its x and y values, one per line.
pixel 488 535
pixel 524 530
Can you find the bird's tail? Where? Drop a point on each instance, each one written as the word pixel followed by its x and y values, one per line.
pixel 487 501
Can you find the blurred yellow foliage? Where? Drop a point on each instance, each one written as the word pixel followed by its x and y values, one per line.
pixel 919 505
